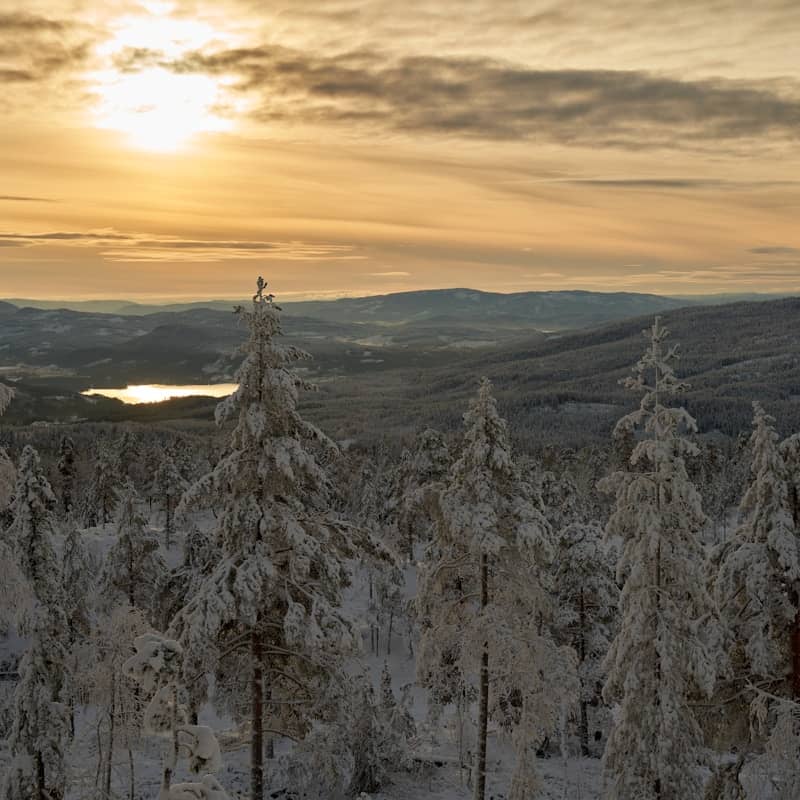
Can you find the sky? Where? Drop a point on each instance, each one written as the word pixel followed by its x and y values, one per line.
pixel 177 149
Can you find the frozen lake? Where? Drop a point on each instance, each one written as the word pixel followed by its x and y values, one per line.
pixel 158 392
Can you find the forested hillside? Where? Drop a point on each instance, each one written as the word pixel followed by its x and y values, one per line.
pixel 269 609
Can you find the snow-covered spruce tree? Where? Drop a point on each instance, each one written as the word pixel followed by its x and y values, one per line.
pixel 127 453
pixel 6 396
pixel 756 591
pixel 66 472
pixel 14 592
pixel 168 486
pixel 378 736
pixel 8 475
pixel 273 602
pixel 101 495
pixel 759 570
pixel 790 451
pixel 658 658
pixel 157 668
pixel 200 556
pixel 77 578
pixel 586 609
pixel 40 727
pixel 8 481
pixel 134 569
pixel 483 598
pixel 409 508
pixel 778 720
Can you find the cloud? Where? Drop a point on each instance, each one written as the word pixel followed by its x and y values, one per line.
pixel 24 239
pixel 393 274
pixel 21 22
pixel 647 184
pixel 775 251
pixel 491 99
pixel 35 48
pixel 131 248
pixel 15 198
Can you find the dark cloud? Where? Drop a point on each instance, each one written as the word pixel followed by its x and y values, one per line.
pixel 189 244
pixel 134 59
pixel 775 251
pixel 478 97
pixel 17 76
pixel 648 183
pixel 34 48
pixel 22 22
pixel 65 237
pixel 656 184
pixel 15 198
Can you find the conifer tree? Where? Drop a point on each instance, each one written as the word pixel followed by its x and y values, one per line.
pixel 790 452
pixel 40 729
pixel 275 595
pixel 760 568
pixel 76 579
pixel 413 489
pixel 101 495
pixel 586 603
pixel 66 470
pixel 8 480
pixel 659 659
pixel 134 569
pixel 168 486
pixel 483 593
pixel 6 396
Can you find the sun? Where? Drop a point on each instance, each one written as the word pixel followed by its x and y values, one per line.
pixel 159 110
pixel 156 107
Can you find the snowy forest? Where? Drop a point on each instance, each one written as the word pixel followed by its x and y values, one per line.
pixel 269 613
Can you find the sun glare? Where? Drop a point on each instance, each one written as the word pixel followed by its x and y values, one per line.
pixel 157 108
pixel 158 392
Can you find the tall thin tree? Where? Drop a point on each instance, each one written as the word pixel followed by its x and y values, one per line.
pixel 659 659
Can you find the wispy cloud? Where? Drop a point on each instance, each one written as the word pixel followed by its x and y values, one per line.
pixel 16 198
pixel 776 250
pixel 129 248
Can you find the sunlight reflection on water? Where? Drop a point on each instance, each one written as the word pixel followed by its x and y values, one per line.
pixel 158 392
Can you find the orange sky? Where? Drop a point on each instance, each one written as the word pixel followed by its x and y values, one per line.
pixel 176 149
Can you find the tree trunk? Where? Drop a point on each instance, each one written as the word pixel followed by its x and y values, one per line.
pixel 112 719
pixel 657 698
pixel 270 742
pixel 257 699
pixel 584 718
pixel 171 757
pixel 41 790
pixel 132 773
pixel 483 698
pixel 796 656
pixel 168 523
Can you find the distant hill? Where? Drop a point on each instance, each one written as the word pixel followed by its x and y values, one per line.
pixel 566 388
pixel 550 310
pixel 195 342
pixel 576 308
pixel 542 310
pixel 391 377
